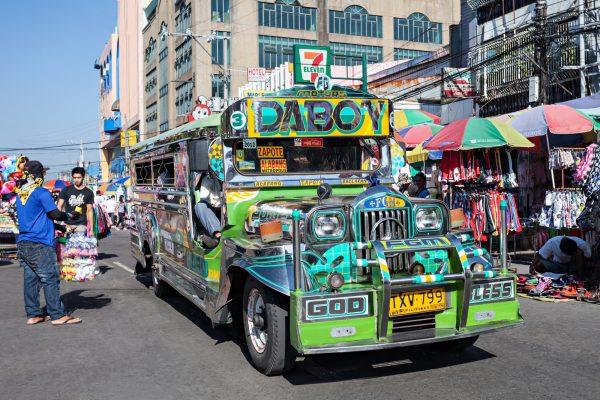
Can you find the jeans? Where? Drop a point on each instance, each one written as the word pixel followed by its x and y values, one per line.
pixel 556 267
pixel 207 217
pixel 40 270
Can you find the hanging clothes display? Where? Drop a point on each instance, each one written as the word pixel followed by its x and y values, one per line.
pixel 584 167
pixel 482 166
pixel 561 208
pixel 533 176
pixel 482 211
pixel 565 158
pixel 101 225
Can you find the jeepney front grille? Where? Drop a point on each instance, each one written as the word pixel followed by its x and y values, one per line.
pixel 414 322
pixel 385 231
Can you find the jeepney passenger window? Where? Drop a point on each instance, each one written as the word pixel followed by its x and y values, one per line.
pixel 143 173
pixel 163 171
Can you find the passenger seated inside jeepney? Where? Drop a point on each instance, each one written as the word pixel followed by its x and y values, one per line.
pixel 208 202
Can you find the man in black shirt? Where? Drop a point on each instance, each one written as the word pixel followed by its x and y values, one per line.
pixel 79 199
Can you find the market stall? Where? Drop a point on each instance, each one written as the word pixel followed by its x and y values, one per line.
pixel 11 170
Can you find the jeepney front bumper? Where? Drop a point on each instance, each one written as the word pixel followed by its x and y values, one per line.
pixel 358 318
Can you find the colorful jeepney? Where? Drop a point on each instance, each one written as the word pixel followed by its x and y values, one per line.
pixel 319 253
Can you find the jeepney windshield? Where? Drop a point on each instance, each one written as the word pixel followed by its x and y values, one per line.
pixel 306 155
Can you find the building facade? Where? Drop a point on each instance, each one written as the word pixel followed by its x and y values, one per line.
pixel 178 69
pixel 503 58
pixel 108 104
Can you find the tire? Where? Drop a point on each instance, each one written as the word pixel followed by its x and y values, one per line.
pixel 161 288
pixel 457 345
pixel 269 345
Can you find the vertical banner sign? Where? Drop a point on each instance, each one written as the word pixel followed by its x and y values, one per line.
pixel 310 62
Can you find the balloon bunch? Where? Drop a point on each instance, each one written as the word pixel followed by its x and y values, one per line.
pixel 12 168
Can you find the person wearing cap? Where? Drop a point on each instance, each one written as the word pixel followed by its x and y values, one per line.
pixel 35 248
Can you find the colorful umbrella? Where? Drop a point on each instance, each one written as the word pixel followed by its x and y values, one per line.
pixel 56 185
pixel 406 117
pixel 553 118
pixel 412 136
pixel 418 154
pixel 476 133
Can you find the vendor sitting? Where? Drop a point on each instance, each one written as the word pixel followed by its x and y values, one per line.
pixel 418 187
pixel 562 255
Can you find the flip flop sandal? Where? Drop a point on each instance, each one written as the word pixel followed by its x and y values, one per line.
pixel 44 319
pixel 70 321
pixel 569 292
pixel 521 279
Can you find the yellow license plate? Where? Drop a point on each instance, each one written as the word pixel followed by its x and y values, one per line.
pixel 419 301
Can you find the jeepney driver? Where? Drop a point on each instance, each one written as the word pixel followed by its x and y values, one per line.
pixel 207 198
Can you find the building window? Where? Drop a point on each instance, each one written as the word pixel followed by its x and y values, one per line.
pixel 151 83
pixel 497 8
pixel 417 28
pixel 403 54
pixel 184 98
pixel 164 127
pixel 219 10
pixel 150 51
pixel 351 54
pixel 274 51
pixel 217 48
pixel 286 16
pixel 151 118
pixel 183 58
pixel 218 87
pixel 183 19
pixel 163 106
pixel 355 20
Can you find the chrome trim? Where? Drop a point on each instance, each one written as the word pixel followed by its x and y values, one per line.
pixel 387 345
pixel 466 298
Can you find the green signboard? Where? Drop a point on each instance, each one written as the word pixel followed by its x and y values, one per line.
pixel 310 62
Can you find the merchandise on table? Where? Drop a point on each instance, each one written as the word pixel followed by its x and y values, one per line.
pixel 77 258
pixel 561 208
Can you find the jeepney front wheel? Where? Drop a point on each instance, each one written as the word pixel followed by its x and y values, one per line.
pixel 266 321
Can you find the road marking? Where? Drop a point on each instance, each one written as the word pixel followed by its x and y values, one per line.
pixel 123 266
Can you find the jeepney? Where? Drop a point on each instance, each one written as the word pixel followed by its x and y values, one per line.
pixel 318 254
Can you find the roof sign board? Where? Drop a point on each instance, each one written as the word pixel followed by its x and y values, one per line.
pixel 310 62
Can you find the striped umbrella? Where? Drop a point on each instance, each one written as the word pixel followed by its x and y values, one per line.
pixel 475 133
pixel 406 117
pixel 412 136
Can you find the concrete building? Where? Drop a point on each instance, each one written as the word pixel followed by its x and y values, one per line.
pixel 502 51
pixel 261 34
pixel 108 105
pixel 120 100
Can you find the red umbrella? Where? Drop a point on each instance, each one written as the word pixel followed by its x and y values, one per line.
pixel 414 135
pixel 56 185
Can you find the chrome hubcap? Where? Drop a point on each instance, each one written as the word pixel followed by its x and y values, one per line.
pixel 255 318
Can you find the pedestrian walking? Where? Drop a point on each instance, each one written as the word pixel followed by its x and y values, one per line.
pixel 78 198
pixel 121 212
pixel 111 210
pixel 35 248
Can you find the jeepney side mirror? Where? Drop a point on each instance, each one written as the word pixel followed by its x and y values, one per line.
pixel 324 191
pixel 198 155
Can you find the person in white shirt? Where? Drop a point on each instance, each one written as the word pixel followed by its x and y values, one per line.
pixel 111 208
pixel 208 198
pixel 562 255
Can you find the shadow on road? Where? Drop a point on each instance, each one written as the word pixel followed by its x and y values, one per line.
pixel 75 300
pixel 104 269
pixel 106 256
pixel 375 364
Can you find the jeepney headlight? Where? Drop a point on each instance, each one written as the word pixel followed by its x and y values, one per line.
pixel 429 219
pixel 329 225
pixel 477 267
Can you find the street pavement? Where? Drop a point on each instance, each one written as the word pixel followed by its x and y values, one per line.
pixel 133 345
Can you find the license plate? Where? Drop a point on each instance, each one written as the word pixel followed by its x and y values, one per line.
pixel 419 301
pixel 492 291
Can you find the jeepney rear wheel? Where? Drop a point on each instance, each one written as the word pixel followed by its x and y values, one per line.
pixel 266 321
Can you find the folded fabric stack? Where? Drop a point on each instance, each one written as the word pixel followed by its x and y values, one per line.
pixel 8 224
pixel 78 258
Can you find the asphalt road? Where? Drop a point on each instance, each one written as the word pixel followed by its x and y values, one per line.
pixel 133 345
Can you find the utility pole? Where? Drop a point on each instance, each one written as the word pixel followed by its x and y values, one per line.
pixel 581 12
pixel 81 152
pixel 541 14
pixel 227 77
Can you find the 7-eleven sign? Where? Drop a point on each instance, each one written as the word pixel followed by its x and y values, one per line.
pixel 310 62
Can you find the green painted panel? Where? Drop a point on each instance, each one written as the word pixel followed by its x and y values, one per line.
pixel 492 312
pixel 319 333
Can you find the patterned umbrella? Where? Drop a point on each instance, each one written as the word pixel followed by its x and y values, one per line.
pixel 404 118
pixel 554 118
pixel 56 185
pixel 412 136
pixel 475 133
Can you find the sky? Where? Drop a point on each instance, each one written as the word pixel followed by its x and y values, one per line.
pixel 48 84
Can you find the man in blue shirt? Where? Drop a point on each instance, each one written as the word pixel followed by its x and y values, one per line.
pixel 421 184
pixel 35 248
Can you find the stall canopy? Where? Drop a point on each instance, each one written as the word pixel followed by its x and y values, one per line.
pixel 590 105
pixel 476 133
pixel 412 136
pixel 554 118
pixel 407 117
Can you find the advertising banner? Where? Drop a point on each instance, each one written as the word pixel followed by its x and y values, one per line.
pixel 457 83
